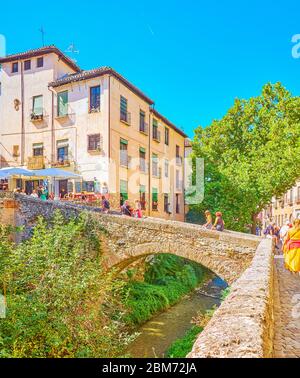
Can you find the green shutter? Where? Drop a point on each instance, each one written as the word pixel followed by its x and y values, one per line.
pixel 142 149
pixel 38 105
pixel 123 141
pixel 142 189
pixel 154 195
pixel 124 189
pixel 62 103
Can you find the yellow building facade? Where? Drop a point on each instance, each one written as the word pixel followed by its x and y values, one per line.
pixel 94 123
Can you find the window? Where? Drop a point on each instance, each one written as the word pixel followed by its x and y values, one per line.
pixel 166 168
pixel 88 186
pixel 95 99
pixel 155 168
pixel 142 159
pixel 40 62
pixel 37 105
pixel 94 142
pixel 154 199
pixel 124 115
pixel 124 152
pixel 62 103
pixel 177 203
pixel 178 186
pixel 166 204
pixel 155 132
pixel 143 125
pixel 167 136
pixel 27 65
pixel 123 191
pixel 62 151
pixel 143 197
pixel 178 157
pixel 15 67
pixel 298 194
pixel 38 149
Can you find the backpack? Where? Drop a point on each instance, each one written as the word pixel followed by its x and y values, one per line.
pixel 106 204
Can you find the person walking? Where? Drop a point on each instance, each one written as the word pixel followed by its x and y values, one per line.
pixel 105 205
pixel 126 209
pixel 284 230
pixel 219 224
pixel 209 221
pixel 138 210
pixel 291 248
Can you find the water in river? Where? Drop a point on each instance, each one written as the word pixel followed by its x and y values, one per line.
pixel 161 331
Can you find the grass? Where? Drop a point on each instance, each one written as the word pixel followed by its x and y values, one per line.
pixel 181 347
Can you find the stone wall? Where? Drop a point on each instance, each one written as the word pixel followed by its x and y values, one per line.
pixel 128 239
pixel 243 326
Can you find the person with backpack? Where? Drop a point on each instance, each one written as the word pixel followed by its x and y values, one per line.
pixel 105 205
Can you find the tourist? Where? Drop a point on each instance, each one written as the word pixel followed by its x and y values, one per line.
pixel 44 194
pixel 23 192
pixel 34 194
pixel 105 205
pixel 269 231
pixel 209 220
pixel 291 248
pixel 126 209
pixel 138 210
pixel 219 224
pixel 284 230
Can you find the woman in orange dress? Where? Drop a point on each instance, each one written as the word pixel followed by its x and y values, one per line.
pixel 291 248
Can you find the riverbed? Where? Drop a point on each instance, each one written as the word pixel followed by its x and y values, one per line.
pixel 162 330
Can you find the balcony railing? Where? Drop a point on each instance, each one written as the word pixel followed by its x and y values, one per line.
pixel 298 200
pixel 179 161
pixel 61 163
pixel 156 135
pixel 36 162
pixel 144 127
pixel 125 117
pixel 37 115
pixel 143 167
pixel 125 160
pixel 63 113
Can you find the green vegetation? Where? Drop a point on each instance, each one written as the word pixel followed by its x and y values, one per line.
pixel 250 156
pixel 58 302
pixel 181 347
pixel 166 280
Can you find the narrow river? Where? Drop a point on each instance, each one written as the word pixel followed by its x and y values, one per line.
pixel 162 330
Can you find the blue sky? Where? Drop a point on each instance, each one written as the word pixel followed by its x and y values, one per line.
pixel 192 57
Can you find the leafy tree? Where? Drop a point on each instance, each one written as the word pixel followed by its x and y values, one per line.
pixel 251 154
pixel 59 303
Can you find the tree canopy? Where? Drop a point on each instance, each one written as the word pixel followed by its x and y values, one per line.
pixel 251 155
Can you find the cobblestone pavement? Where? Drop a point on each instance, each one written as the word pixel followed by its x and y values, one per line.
pixel 287 311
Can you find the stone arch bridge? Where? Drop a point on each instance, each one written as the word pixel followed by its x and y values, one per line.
pixel 249 323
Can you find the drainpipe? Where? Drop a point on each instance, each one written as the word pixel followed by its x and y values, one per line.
pixel 149 168
pixel 22 116
pixel 109 105
pixel 52 127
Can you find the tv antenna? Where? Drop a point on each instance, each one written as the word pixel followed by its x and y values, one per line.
pixel 42 31
pixel 72 50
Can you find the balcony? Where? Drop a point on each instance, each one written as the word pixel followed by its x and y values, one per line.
pixel 298 200
pixel 61 163
pixel 61 114
pixel 179 161
pixel 179 185
pixel 125 117
pixel 144 127
pixel 156 135
pixel 125 161
pixel 156 172
pixel 37 115
pixel 143 167
pixel 36 162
